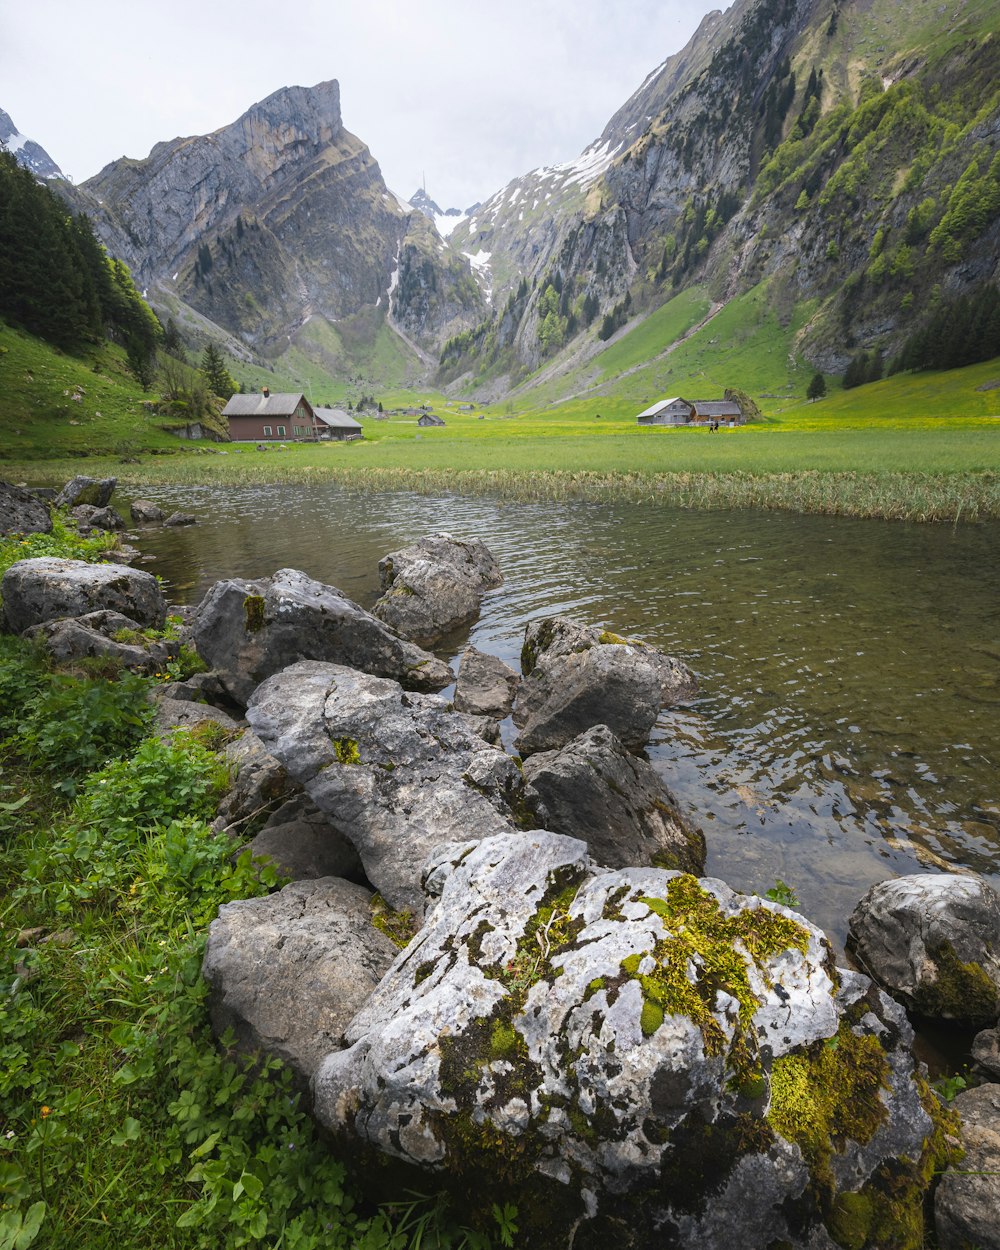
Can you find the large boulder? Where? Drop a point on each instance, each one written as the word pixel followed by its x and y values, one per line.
pixel 247 630
pixel 595 790
pixel 934 942
pixel 577 676
pixel 649 1058
pixel 397 774
pixel 21 512
pixel 435 585
pixel 967 1199
pixel 48 588
pixel 86 490
pixel 288 971
pixel 106 635
pixel 485 686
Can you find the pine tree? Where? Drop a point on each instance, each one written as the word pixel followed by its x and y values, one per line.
pixel 220 381
pixel 817 387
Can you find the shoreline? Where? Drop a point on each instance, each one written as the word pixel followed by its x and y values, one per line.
pixel 890 496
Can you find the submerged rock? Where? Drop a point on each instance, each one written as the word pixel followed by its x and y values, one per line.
pixel 435 585
pixel 397 774
pixel 649 1058
pixel 248 630
pixel 595 790
pixel 934 942
pixel 48 588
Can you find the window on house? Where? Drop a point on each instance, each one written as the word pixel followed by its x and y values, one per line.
pixel 281 431
pixel 267 431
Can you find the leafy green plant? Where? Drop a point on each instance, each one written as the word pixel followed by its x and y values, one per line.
pixel 781 892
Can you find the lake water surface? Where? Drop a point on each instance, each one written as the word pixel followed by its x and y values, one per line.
pixel 848 725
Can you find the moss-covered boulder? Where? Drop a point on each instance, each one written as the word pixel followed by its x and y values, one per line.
pixel 646 1057
pixel 933 941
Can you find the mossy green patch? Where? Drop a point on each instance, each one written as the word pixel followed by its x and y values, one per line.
pixel 346 751
pixel 701 954
pixel 610 639
pixel 398 926
pixel 253 613
pixel 962 991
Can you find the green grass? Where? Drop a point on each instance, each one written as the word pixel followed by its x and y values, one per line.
pixel 655 333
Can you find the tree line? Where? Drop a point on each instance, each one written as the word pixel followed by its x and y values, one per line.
pixel 58 283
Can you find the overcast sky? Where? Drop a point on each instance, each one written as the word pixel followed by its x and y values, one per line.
pixel 469 94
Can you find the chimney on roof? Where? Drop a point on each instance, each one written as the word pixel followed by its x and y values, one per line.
pixel 266 392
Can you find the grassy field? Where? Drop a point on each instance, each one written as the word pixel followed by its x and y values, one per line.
pixel 923 446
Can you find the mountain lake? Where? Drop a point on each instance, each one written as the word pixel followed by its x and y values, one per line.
pixel 848 724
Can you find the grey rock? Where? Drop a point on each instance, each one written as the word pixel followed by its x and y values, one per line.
pixel 967 1199
pixel 595 790
pixel 521 1025
pixel 934 942
pixel 248 630
pixel 94 635
pixel 47 588
pixel 398 777
pixel 86 490
pixel 87 517
pixel 289 970
pixel 22 512
pixel 577 676
pixel 486 686
pixel 180 518
pixel 303 845
pixel 173 714
pixel 144 510
pixel 986 1051
pixel 260 783
pixel 435 585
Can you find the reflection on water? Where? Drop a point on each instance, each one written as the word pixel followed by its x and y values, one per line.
pixel 848 727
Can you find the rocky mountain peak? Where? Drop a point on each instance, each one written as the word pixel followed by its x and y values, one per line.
pixel 26 151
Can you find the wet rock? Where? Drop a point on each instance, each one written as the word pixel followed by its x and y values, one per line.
pixel 86 490
pixel 934 942
pixel 303 845
pixel 144 510
pixel 435 585
pixel 644 1056
pixel 87 517
pixel 181 518
pixel 967 1200
pixel 289 970
pixel 247 630
pixel 595 790
pixel 486 686
pixel 397 775
pixel 107 635
pixel 22 512
pixel 48 588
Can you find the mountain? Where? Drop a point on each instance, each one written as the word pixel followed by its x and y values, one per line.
pixel 281 218
pixel 837 157
pixel 28 153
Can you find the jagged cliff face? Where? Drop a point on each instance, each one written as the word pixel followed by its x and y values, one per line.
pixel 26 151
pixel 280 217
pixel 792 143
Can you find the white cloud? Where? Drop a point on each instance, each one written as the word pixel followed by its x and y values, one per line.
pixel 467 95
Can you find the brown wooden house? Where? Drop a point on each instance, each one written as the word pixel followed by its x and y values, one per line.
pixel 267 418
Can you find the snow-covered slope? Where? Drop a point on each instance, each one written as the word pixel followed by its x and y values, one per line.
pixel 26 151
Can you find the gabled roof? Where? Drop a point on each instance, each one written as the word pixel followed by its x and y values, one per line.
pixel 661 404
pixel 717 408
pixel 281 405
pixel 430 418
pixel 337 419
